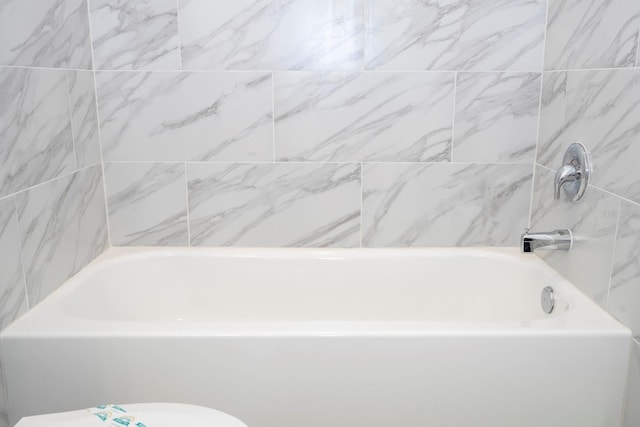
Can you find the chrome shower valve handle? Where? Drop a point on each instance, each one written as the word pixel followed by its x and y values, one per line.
pixel 573 175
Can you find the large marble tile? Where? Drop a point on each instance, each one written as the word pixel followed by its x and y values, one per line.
pixel 132 35
pixel 63 227
pixel 481 35
pixel 271 35
pixel 496 117
pixel 45 33
pixel 36 143
pixel 592 34
pixel 552 109
pixel 286 204
pixel 355 116
pixel 603 112
pixel 593 223
pixel 441 204
pixel 172 116
pixel 624 294
pixel 147 204
pixel 632 409
pixel 84 120
pixel 13 301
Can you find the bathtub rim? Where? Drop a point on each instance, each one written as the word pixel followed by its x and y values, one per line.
pixel 584 317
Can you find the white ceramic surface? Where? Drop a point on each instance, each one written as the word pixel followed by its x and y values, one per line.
pixel 316 337
pixel 149 414
pixel 632 409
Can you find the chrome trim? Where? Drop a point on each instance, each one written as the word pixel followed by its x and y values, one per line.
pixel 548 300
pixel 573 175
pixel 560 240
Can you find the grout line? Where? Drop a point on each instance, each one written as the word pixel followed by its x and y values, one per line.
pixel 21 248
pixel 535 154
pixel 361 202
pixel 565 100
pixel 66 175
pixel 95 94
pixel 273 114
pixel 351 162
pixel 614 194
pixel 575 70
pixel 30 67
pixel 322 71
pixel 453 114
pixel 319 70
pixel 596 187
pixel 73 132
pixel 546 167
pixel 544 36
pixel 533 185
pixel 613 253
pixel 364 27
pixel 179 34
pixel 186 188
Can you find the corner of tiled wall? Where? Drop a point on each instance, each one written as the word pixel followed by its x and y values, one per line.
pixel 591 94
pixel 52 202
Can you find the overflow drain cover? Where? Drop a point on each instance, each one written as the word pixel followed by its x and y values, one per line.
pixel 548 299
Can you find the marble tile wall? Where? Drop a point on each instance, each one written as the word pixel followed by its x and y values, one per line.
pixel 318 122
pixel 339 123
pixel 49 33
pixel 591 94
pixel 52 204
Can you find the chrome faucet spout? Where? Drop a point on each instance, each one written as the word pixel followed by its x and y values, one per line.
pixel 560 240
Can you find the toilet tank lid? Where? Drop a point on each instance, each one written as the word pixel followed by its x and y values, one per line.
pixel 136 415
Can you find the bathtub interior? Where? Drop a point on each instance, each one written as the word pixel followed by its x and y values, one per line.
pixel 311 285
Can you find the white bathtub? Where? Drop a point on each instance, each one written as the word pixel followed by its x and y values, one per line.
pixel 319 338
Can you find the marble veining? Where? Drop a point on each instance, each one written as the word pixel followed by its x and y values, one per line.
pixel 271 35
pixel 552 110
pixel 84 119
pixel 592 34
pixel 173 116
pixel 147 204
pixel 354 116
pixel 45 33
pixel 593 223
pixel 63 227
pixel 13 300
pixel 36 143
pixel 286 204
pixel 480 35
pixel 603 112
pixel 440 204
pixel 496 117
pixel 140 34
pixel 624 295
